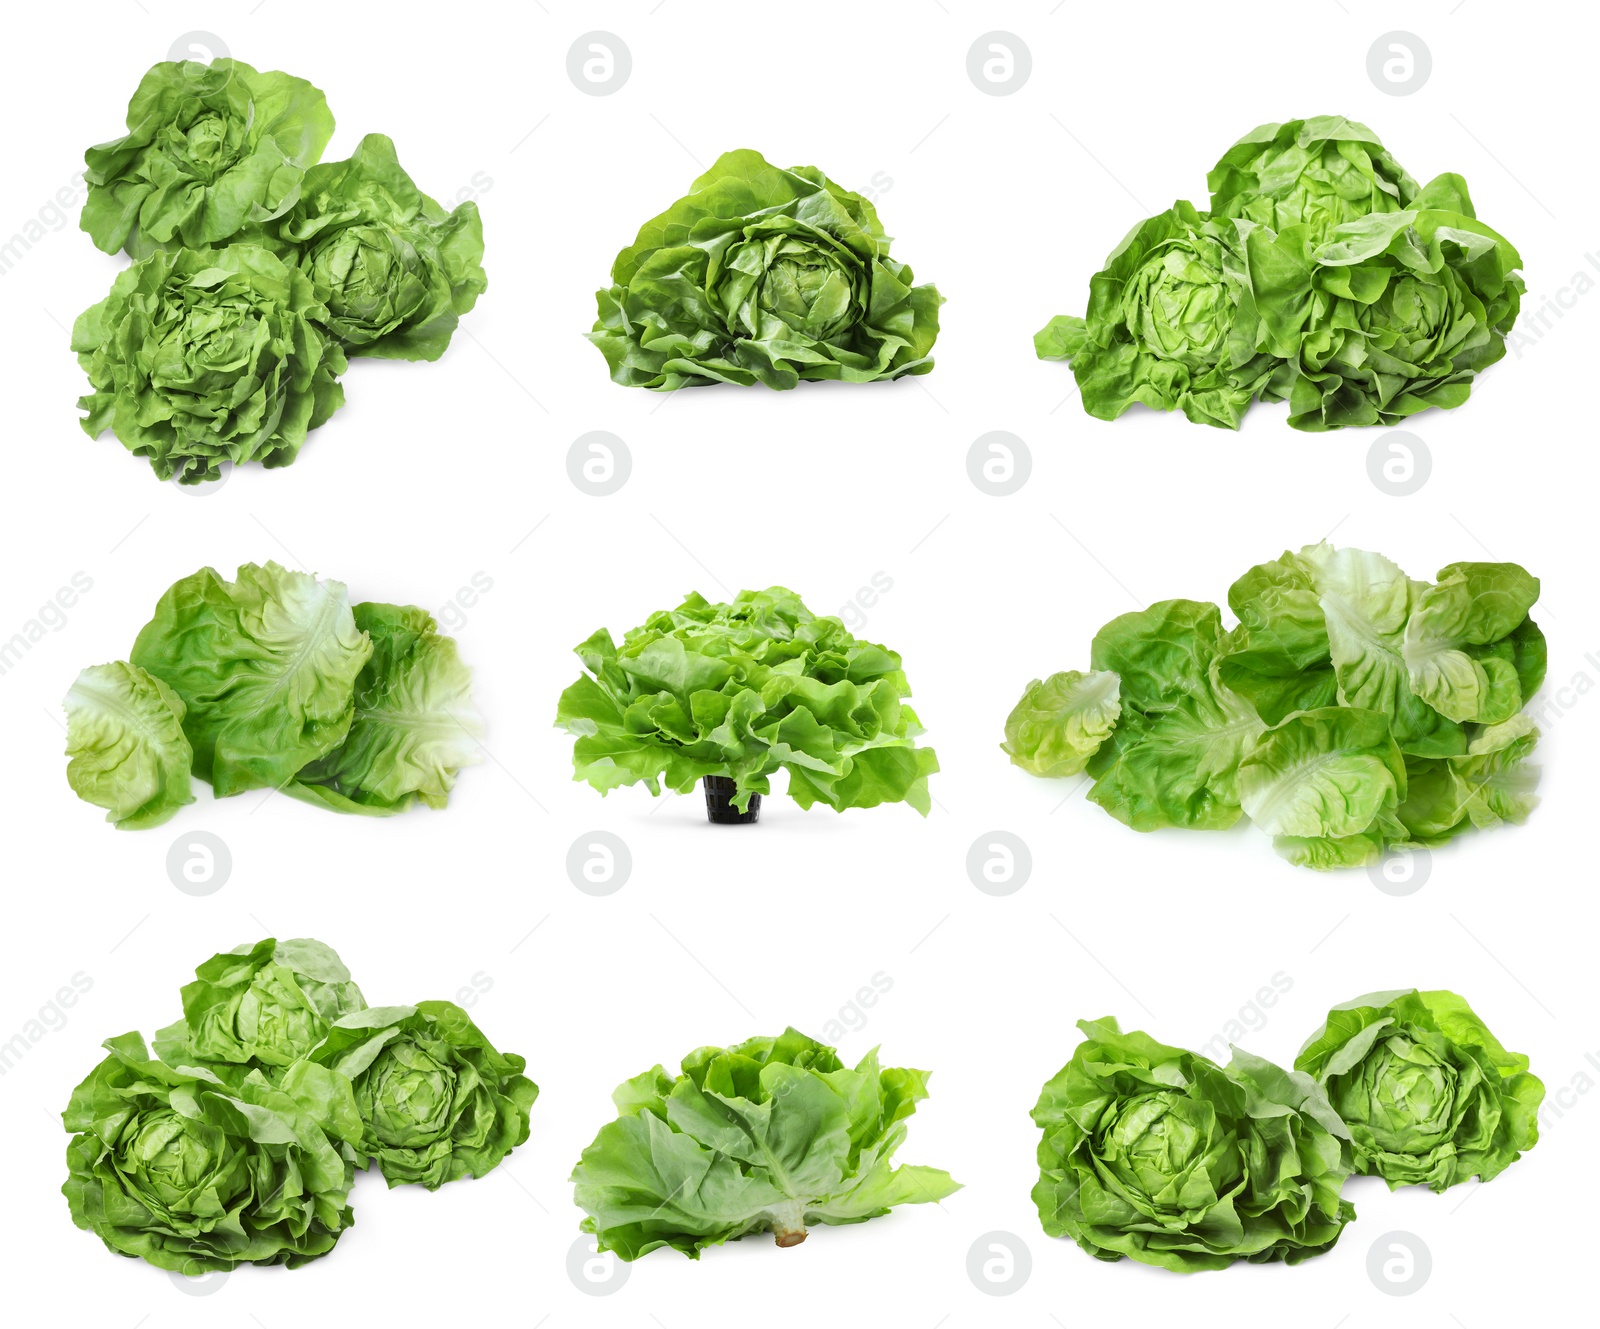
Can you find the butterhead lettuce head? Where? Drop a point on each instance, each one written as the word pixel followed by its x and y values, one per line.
pixel 761 275
pixel 772 1134
pixel 194 1172
pixel 211 150
pixel 1171 323
pixel 1429 1094
pixel 1319 173
pixel 1163 1156
pixel 201 356
pixel 394 269
pixel 264 1005
pixel 438 1103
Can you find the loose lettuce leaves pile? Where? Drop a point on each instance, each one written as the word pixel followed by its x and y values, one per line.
pixel 274 681
pixel 770 1134
pixel 1430 1095
pixel 259 270
pixel 742 690
pixel 1161 1155
pixel 761 275
pixel 238 1143
pixel 1321 275
pixel 1352 710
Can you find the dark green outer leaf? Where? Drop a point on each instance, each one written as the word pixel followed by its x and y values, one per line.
pixel 266 666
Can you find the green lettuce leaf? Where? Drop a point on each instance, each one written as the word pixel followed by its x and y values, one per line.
pixel 1489 785
pixel 1061 721
pixel 1326 784
pixel 743 690
pixel 437 1102
pixel 210 150
pixel 1161 1155
pixel 266 666
pixel 770 1134
pixel 1278 658
pixel 125 743
pixel 1367 602
pixel 1429 1094
pixel 414 725
pixel 1174 757
pixel 1471 605
pixel 760 275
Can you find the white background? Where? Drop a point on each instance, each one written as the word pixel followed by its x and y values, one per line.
pixel 433 474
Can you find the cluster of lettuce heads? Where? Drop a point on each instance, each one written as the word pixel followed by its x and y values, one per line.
pixel 1163 1156
pixel 761 275
pixel 770 1134
pixel 273 681
pixel 258 270
pixel 239 1140
pixel 740 691
pixel 1351 711
pixel 1322 275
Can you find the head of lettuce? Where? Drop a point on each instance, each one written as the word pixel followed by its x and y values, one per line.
pixel 395 270
pixel 201 356
pixel 1430 1095
pixel 194 1172
pixel 264 1006
pixel 1163 1156
pixel 1171 323
pixel 211 150
pixel 438 1101
pixel 761 275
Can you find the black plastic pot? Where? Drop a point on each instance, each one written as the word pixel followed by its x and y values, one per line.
pixel 719 803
